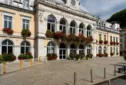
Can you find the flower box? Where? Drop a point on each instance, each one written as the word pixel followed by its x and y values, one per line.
pixel 111 54
pixel 28 55
pixel 8 31
pixel 52 56
pixel 105 42
pixel 49 34
pixel 9 57
pixel 100 41
pixel 59 35
pixel 25 33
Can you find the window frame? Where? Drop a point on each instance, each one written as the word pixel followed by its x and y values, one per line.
pixel 24 4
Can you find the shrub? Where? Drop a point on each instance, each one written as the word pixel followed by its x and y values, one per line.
pixel 25 33
pixel 8 31
pixel 9 57
pixel 49 34
pixel 52 56
pixel 72 56
pixel 89 56
pixel 28 55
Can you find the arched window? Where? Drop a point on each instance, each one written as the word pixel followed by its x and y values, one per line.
pixel 73 27
pixel 26 4
pixel 63 25
pixel 89 31
pixel 105 49
pixel 81 28
pixel 72 49
pixel 81 49
pixel 89 49
pixel 50 47
pixel 100 50
pixel 25 47
pixel 51 23
pixel 7 46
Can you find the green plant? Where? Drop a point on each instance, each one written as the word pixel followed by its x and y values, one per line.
pixel 89 56
pixel 1 59
pixel 28 55
pixel 49 34
pixel 26 33
pixel 52 56
pixel 9 57
pixel 72 56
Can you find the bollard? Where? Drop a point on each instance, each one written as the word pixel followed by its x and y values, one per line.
pixel 114 70
pixel 38 60
pixel 4 68
pixel 104 73
pixel 91 74
pixel 74 78
pixel 31 62
pixel 109 82
pixel 20 64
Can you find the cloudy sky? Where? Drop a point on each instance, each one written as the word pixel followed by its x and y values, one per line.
pixel 103 8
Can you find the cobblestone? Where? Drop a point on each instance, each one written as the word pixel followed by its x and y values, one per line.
pixel 61 72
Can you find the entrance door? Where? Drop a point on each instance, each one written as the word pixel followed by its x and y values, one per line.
pixel 62 54
pixel 62 51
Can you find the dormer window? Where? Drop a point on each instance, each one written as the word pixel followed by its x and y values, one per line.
pixel 26 4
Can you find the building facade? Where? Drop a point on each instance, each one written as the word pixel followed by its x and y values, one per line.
pixel 123 42
pixel 40 16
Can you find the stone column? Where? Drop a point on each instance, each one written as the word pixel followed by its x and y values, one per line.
pixel 57 26
pixel 77 30
pixel 57 51
pixel 17 51
pixel 77 50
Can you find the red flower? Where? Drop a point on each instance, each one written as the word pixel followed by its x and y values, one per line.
pixel 100 41
pixel 105 42
pixel 8 31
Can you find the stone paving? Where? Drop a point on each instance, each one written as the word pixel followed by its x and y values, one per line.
pixel 61 72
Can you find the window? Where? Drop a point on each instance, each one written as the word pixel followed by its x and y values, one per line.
pixel 111 49
pixel 72 49
pixel 104 37
pixel 7 46
pixel 81 49
pixel 121 46
pixel 26 4
pixel 63 25
pixel 110 38
pixel 114 50
pixel 113 39
pixel 89 31
pixel 72 27
pixel 116 39
pixel 89 49
pixel 51 23
pixel 7 21
pixel 25 47
pixel 25 24
pixel 105 49
pixel 117 50
pixel 100 37
pixel 50 48
pixel 81 28
pixel 100 50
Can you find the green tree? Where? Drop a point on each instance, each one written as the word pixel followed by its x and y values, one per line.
pixel 119 17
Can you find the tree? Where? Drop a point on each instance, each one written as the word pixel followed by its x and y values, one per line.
pixel 119 17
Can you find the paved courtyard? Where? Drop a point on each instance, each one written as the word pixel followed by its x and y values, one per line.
pixel 61 72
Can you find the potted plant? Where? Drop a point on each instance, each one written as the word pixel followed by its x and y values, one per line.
pixel 105 55
pixel 71 38
pixel 1 59
pixel 72 56
pixel 25 33
pixel 8 31
pixel 49 34
pixel 89 56
pixel 100 41
pixel 105 42
pixel 111 54
pixel 9 57
pixel 52 56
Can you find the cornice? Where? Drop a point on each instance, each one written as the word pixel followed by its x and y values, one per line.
pixel 67 10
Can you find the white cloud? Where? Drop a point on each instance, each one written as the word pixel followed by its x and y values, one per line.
pixel 103 6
